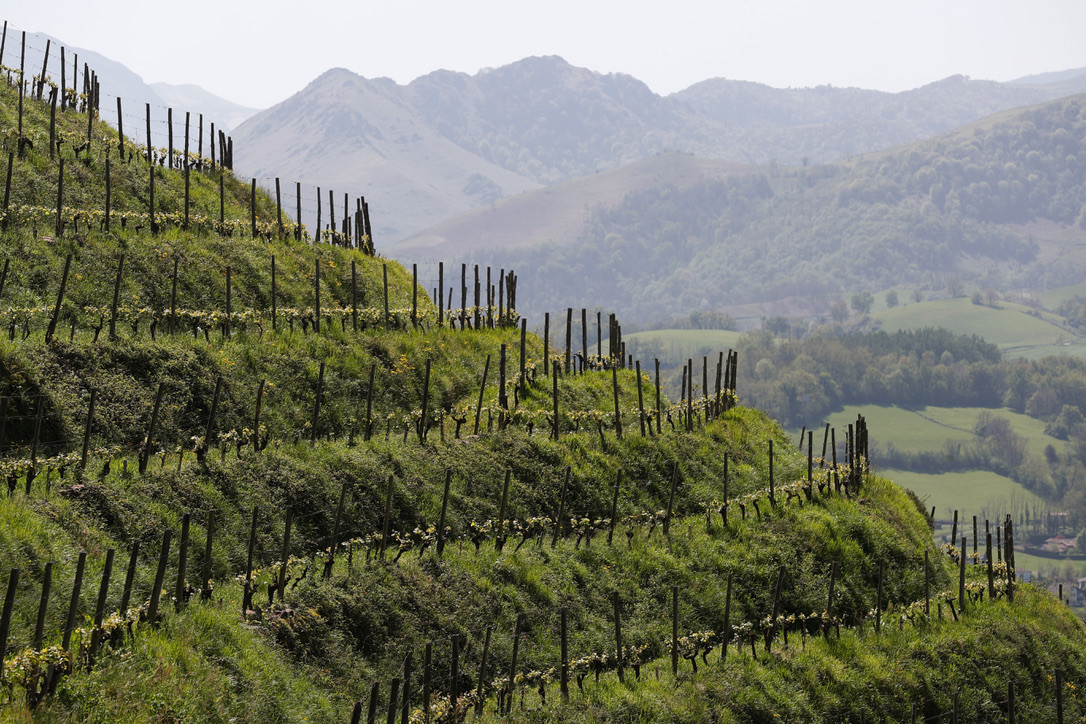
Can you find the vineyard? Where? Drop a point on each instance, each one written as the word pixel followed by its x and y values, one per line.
pixel 254 473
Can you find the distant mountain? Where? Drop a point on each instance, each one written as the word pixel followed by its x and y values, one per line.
pixel 826 124
pixel 450 142
pixel 118 81
pixel 999 203
pixel 356 135
pixel 194 99
pixel 1059 76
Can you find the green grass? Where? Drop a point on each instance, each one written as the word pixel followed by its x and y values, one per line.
pixel 1012 327
pixel 310 658
pixel 929 427
pixel 975 492
pixel 972 492
pixel 964 418
pixel 907 429
pixel 1051 298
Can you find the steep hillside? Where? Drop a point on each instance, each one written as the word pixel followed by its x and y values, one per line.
pixel 255 478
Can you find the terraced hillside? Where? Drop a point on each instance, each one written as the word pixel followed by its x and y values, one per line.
pixel 305 494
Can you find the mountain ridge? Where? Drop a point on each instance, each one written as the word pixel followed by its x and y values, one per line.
pixel 999 202
pixel 541 121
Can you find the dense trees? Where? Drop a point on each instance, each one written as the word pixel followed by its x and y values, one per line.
pixel 927 214
pixel 803 380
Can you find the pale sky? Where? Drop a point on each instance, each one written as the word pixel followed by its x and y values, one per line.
pixel 258 54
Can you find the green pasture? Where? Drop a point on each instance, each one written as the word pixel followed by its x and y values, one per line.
pixel 1052 297
pixel 1016 329
pixel 974 492
pixel 929 428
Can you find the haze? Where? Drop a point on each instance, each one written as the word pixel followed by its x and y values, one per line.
pixel 258 54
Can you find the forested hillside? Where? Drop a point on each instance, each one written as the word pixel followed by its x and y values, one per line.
pixel 999 204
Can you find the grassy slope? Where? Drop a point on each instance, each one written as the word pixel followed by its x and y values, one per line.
pixel 1009 326
pixel 204 663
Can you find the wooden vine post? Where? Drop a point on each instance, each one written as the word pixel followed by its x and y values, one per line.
pixel 160 576
pixel 9 604
pixel 482 389
pixel 247 597
pixel 618 411
pixel 129 581
pixel 614 508
pixel 481 691
pixel 335 532
pixel 73 606
pixel 961 578
pixel 180 590
pixel 423 421
pixel 369 403
pixel 555 395
pixel 43 606
pixel 60 300
pixel 210 430
pixel 145 452
pixel 444 510
pixel 671 497
pixel 659 428
pixel 546 344
pixel 317 295
pixel 640 398
pixel 205 587
pixel 499 536
pixel 256 415
pixel 513 665
pixel 284 555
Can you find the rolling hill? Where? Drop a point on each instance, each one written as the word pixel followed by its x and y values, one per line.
pixel 996 204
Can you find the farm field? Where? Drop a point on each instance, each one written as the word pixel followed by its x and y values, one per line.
pixel 1052 297
pixel 1012 327
pixel 975 492
pixel 928 428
